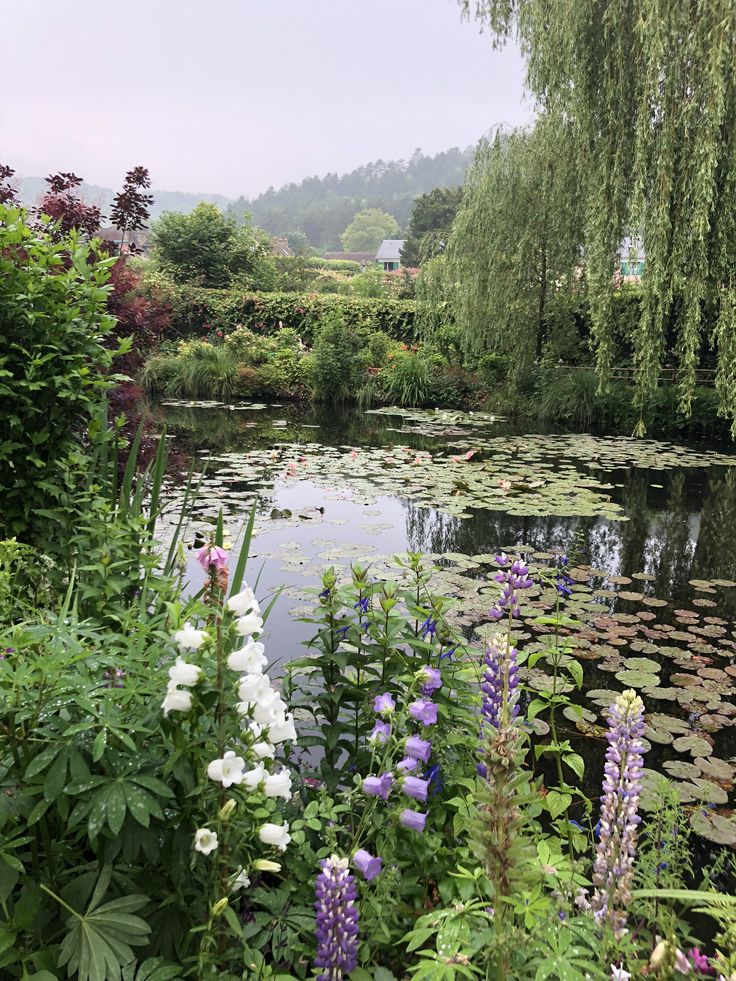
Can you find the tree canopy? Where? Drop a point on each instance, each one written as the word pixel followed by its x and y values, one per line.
pixel 651 91
pixel 368 229
pixel 516 239
pixel 430 224
pixel 208 248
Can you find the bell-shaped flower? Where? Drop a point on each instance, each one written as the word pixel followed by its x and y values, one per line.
pixel 244 602
pixel 278 784
pixel 275 834
pixel 228 770
pixel 250 659
pixel 184 674
pixel 263 750
pixel 251 623
pixel 269 708
pixel 253 686
pixel 212 555
pixel 283 730
pixel 190 639
pixel 252 778
pixel 241 881
pixel 205 841
pixel 176 700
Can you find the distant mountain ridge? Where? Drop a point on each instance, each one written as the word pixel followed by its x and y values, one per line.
pixel 31 188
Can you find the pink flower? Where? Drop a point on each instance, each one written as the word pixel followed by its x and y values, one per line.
pixel 212 555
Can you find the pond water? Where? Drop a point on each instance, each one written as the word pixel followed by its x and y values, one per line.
pixel 650 529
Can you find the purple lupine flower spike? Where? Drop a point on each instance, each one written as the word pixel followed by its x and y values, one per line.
pixel 336 920
pixel 512 579
pixel 500 675
pixel 614 859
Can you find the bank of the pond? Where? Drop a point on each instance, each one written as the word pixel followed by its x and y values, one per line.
pixel 645 525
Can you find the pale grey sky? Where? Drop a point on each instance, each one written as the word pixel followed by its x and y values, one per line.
pixel 232 96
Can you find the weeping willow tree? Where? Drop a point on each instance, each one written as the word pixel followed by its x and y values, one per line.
pixel 650 87
pixel 515 241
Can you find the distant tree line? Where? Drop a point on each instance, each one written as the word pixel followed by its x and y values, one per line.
pixel 321 208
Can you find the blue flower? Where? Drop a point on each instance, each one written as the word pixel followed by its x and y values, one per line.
pixel 428 627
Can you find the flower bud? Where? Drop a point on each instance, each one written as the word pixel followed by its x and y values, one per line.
pixel 266 865
pixel 227 809
pixel 219 907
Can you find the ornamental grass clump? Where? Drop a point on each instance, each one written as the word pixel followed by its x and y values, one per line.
pixel 614 860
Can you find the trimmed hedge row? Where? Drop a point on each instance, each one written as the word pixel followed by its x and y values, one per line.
pixel 196 311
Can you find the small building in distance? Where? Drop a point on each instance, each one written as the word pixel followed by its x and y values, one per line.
pixel 135 242
pixel 362 258
pixel 389 254
pixel 631 259
pixel 280 246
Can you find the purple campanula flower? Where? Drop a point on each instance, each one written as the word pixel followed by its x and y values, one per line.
pixel 384 704
pixel 435 778
pixel 613 869
pixel 423 711
pixel 414 820
pixel 420 749
pixel 378 786
pixel 415 787
pixel 368 865
pixel 502 559
pixel 407 765
pixel 431 680
pixel 380 733
pixel 336 918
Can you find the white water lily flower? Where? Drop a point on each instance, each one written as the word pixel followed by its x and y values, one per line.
pixel 251 623
pixel 263 750
pixel 190 639
pixel 275 834
pixel 252 778
pixel 244 602
pixel 205 841
pixel 253 686
pixel 228 770
pixel 176 700
pixel 278 784
pixel 250 659
pixel 184 674
pixel 282 730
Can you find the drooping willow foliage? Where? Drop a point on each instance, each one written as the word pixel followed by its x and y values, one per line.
pixel 516 239
pixel 650 86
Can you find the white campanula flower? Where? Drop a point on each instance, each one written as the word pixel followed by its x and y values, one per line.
pixel 275 834
pixel 205 841
pixel 278 784
pixel 269 708
pixel 176 700
pixel 264 750
pixel 283 730
pixel 228 770
pixel 251 623
pixel 250 659
pixel 241 880
pixel 253 686
pixel 184 674
pixel 252 778
pixel 244 602
pixel 190 639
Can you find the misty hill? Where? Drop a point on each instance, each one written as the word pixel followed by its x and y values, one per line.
pixel 322 207
pixel 31 189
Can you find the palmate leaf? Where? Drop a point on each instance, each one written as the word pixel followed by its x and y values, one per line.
pixel 100 942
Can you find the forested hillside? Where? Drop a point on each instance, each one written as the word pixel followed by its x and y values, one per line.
pixel 322 207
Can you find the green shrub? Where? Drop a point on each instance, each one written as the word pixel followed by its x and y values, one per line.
pixel 54 370
pixel 337 364
pixel 247 347
pixel 408 379
pixel 377 345
pixel 492 370
pixel 199 371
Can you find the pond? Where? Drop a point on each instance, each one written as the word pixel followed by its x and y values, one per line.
pixel 650 529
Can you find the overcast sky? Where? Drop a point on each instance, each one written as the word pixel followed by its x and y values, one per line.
pixel 232 96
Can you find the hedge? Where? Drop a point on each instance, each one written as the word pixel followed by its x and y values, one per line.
pixel 196 310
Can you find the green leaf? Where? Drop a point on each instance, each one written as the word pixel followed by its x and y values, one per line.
pixel 576 764
pixel 115 808
pixel 98 746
